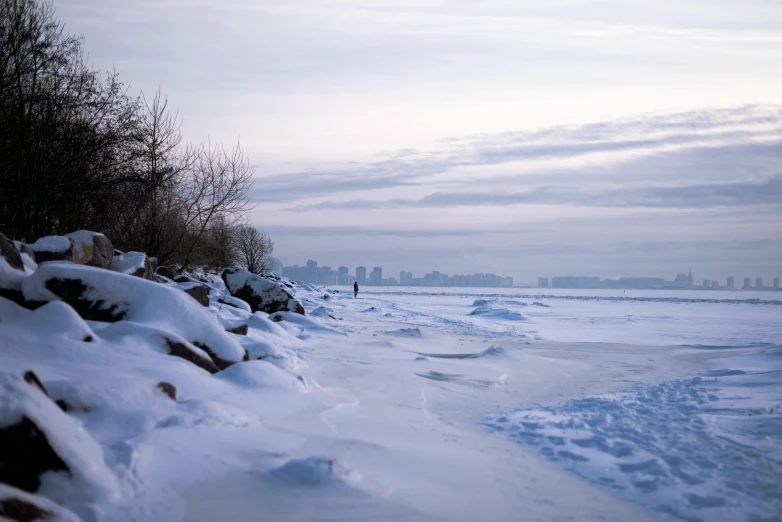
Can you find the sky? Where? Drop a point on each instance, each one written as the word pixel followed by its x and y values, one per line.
pixel 566 137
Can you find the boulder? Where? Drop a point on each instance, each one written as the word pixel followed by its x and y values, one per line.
pixel 200 293
pixel 136 264
pixel 103 295
pixel 54 248
pixel 21 506
pixel 40 446
pixel 166 271
pixel 242 329
pixel 11 255
pixel 92 248
pixel 261 293
pixel 12 271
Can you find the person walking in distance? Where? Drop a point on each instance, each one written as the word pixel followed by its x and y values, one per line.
pixel 355 289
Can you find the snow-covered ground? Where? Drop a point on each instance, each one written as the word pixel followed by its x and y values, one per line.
pixel 406 404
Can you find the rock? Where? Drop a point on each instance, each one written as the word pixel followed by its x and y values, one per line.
pixel 12 271
pixel 92 248
pixel 37 439
pixel 135 264
pixel 242 329
pixel 186 352
pixel 25 249
pixel 166 271
pixel 54 248
pixel 11 255
pixel 30 378
pixel 106 296
pixel 167 388
pixel 200 293
pixel 21 506
pixel 261 293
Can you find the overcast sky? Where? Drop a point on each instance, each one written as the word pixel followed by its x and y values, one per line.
pixel 527 139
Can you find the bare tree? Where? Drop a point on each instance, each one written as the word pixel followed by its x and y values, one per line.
pixel 216 187
pixel 253 249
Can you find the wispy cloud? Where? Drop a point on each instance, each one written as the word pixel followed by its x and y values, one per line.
pixel 640 136
pixel 708 195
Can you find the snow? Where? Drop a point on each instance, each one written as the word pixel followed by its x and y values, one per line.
pixel 600 406
pixel 129 262
pixel 89 478
pixel 51 244
pixel 141 302
pixel 56 512
pixel 499 313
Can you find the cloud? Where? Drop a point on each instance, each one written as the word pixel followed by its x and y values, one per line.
pixel 703 130
pixel 708 195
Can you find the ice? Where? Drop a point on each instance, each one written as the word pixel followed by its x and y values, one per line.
pixel 313 470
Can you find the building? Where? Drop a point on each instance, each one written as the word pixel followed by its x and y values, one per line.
pixel 376 277
pixel 575 282
pixel 759 283
pixel 405 278
pixel 343 276
pixel 776 283
pixel 731 283
pixel 747 283
pixel 361 275
pixel 390 281
pixel 506 282
pixel 706 283
pixel 690 280
pixel 312 272
pixel 680 281
pixel 715 284
pixel 543 282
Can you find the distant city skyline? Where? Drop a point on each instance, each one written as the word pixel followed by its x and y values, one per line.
pixel 314 272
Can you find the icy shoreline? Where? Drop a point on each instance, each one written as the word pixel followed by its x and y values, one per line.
pixel 370 409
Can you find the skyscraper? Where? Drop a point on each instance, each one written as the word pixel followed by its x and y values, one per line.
pixel 690 280
pixel 376 277
pixel 747 283
pixel 361 275
pixel 759 282
pixel 312 272
pixel 543 282
pixel 405 278
pixel 731 283
pixel 776 283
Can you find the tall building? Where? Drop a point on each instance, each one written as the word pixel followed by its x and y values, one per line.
pixel 361 275
pixel 543 282
pixel 706 283
pixel 747 283
pixel 776 283
pixel 731 283
pixel 759 282
pixel 575 282
pixel 715 284
pixel 690 280
pixel 343 276
pixel 680 281
pixel 405 278
pixel 312 272
pixel 376 277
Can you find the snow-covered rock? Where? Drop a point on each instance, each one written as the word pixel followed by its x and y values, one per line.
pixel 261 293
pixel 92 248
pixel 198 291
pixel 166 271
pixel 54 248
pixel 43 450
pixel 12 271
pixel 102 295
pixel 21 506
pixel 136 264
